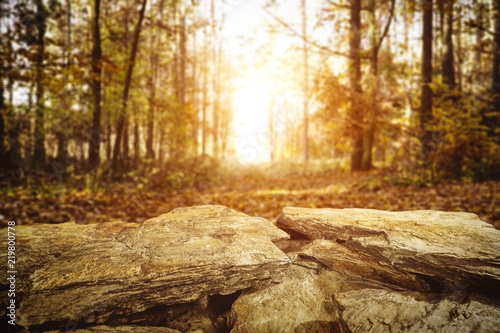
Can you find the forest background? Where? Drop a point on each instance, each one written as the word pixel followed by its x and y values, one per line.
pixel 125 109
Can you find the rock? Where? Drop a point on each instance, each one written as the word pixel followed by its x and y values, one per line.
pixel 302 303
pixel 370 271
pixel 89 274
pixel 442 247
pixel 121 329
pixel 375 310
pixel 210 269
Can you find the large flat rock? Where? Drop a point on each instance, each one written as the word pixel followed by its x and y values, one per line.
pixel 211 269
pixel 456 249
pixel 87 274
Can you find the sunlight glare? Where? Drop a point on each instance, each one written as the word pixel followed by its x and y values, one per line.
pixel 251 120
pixel 251 92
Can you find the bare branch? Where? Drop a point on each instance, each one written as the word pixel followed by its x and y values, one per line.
pixel 387 25
pixel 308 41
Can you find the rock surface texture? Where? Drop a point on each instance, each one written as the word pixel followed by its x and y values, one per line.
pixel 212 269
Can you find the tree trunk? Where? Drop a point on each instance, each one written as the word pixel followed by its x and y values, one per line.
pixel 448 68
pixel 194 98
pixel 356 116
pixel 493 122
pixel 3 112
pixel 137 143
pixel 95 82
pixel 126 89
pixel 39 154
pixel 152 80
pixel 182 56
pixel 215 102
pixel 183 116
pixel 306 88
pixel 3 109
pixel 125 145
pixel 426 97
pixel 373 113
pixel 204 97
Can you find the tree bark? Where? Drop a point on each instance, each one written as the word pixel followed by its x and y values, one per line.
pixel 479 4
pixel 448 68
pixel 3 112
pixel 137 143
pixel 426 97
pixel 183 116
pixel 126 89
pixel 215 102
pixel 153 81
pixel 194 97
pixel 373 113
pixel 95 82
pixel 204 97
pixel 39 154
pixel 493 122
pixel 356 116
pixel 305 134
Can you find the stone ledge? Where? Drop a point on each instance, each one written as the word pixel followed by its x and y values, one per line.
pixel 212 269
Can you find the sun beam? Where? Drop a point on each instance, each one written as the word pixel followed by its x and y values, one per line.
pixel 244 20
pixel 251 120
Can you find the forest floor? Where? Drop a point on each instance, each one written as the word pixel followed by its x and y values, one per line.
pixel 254 194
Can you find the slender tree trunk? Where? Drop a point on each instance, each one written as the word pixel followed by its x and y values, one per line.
pixel 215 102
pixel 95 82
pixel 204 97
pixel 460 53
pixel 128 79
pixel 182 69
pixel 493 122
pixel 306 83
pixel 222 111
pixel 108 126
pixel 137 144
pixel 62 132
pixel 373 112
pixel 426 97
pixel 479 5
pixel 3 109
pixel 183 116
pixel 356 115
pixel 448 68
pixel 28 155
pixel 125 145
pixel 152 80
pixel 3 112
pixel 39 154
pixel 194 97
pixel 14 130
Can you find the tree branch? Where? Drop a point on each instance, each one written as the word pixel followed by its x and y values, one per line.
pixel 338 5
pixel 296 33
pixel 473 24
pixel 387 25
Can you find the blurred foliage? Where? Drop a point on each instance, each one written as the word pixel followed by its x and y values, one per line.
pixel 463 147
pixel 255 190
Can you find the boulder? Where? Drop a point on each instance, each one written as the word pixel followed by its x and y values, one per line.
pixel 120 329
pixel 441 247
pixel 89 274
pixel 211 269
